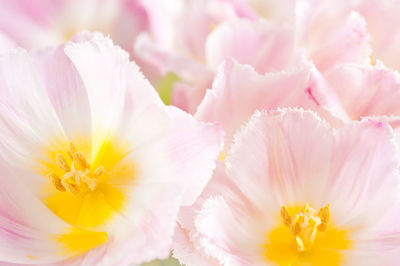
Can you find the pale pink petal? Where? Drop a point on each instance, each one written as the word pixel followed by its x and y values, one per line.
pixel 25 237
pixel 185 250
pixel 65 90
pixel 186 237
pixel 266 47
pixel 228 233
pixel 6 43
pixel 238 91
pixel 110 80
pixel 201 16
pixel 383 20
pixel 30 24
pixel 330 42
pixel 194 76
pixel 165 61
pixel 281 12
pixel 27 116
pixel 366 90
pixel 184 152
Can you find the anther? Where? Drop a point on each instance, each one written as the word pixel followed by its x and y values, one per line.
pixel 77 177
pixel 99 171
pixel 62 163
pixel 295 227
pixel 72 188
pixel 325 216
pixel 71 150
pixel 305 224
pixel 287 220
pixel 56 181
pixel 80 162
pixel 372 60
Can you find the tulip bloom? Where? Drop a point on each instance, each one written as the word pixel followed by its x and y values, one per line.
pixel 93 166
pixel 303 193
pixel 37 24
pixel 237 92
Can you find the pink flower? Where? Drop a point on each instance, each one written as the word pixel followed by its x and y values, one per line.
pixel 270 36
pixel 219 34
pixel 300 192
pixel 93 166
pixel 36 24
pixel 237 92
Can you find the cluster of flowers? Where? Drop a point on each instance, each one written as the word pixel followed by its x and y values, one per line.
pixel 230 132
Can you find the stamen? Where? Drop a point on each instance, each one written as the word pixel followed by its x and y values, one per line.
pixel 80 161
pixel 56 181
pixel 71 150
pixel 90 182
pixel 305 224
pixel 295 227
pixel 62 163
pixel 77 178
pixel 300 244
pixel 372 60
pixel 72 188
pixel 99 171
pixel 325 216
pixel 287 220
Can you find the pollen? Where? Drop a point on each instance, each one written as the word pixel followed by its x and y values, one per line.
pixel 78 177
pixel 372 60
pixel 306 224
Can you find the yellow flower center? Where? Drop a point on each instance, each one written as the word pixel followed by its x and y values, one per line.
pixel 305 224
pixel 89 184
pixel 305 236
pixel 77 177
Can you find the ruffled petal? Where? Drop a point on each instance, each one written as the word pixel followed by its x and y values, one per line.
pixel 382 18
pixel 238 91
pixel 263 40
pixel 329 41
pixel 366 90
